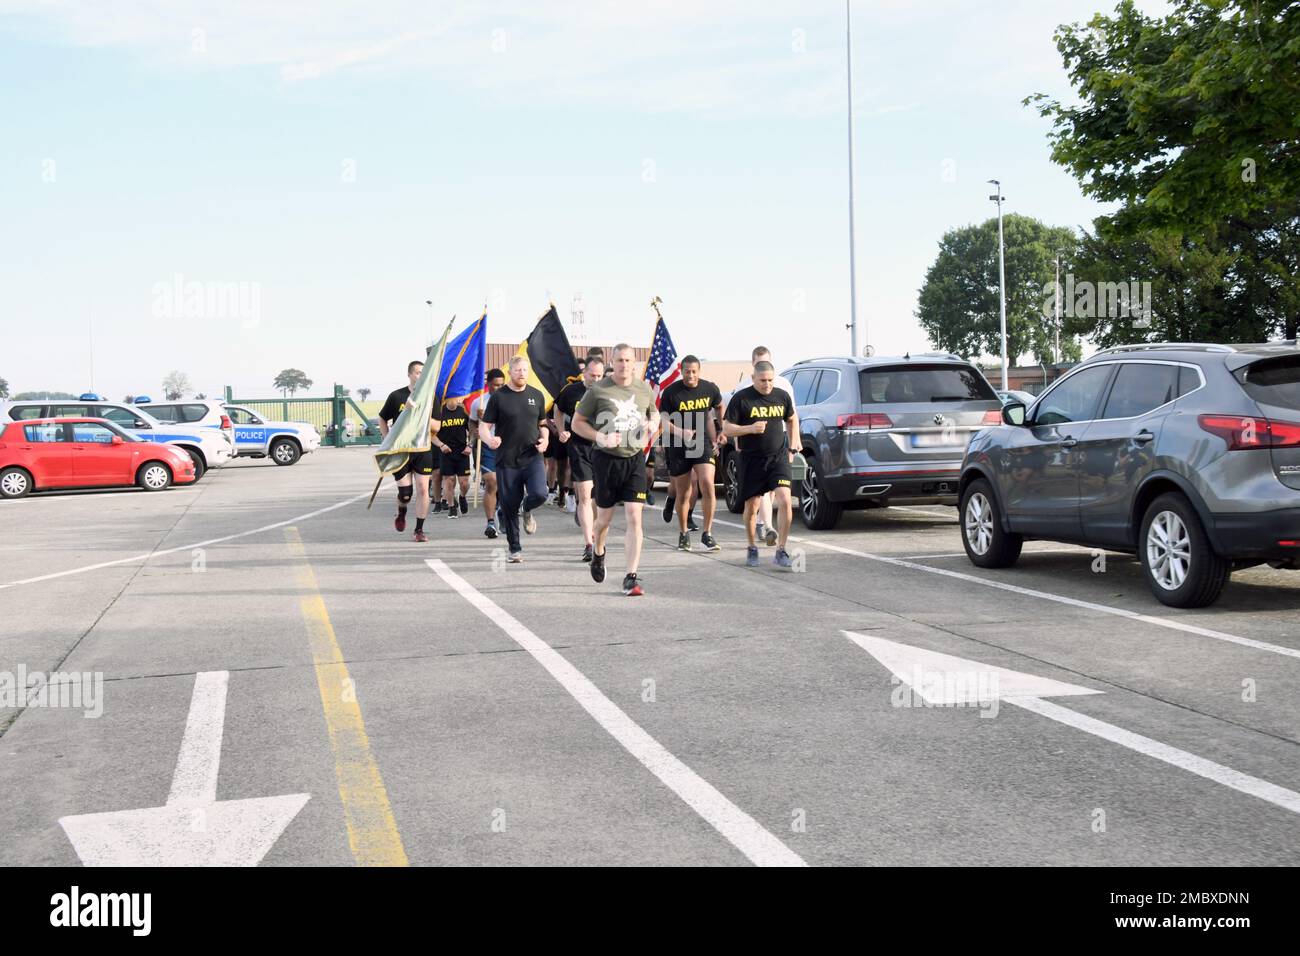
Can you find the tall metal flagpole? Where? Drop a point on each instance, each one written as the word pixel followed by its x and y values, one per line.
pixel 853 269
pixel 1002 282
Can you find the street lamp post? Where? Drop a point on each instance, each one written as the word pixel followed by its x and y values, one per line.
pixel 853 270
pixel 1002 281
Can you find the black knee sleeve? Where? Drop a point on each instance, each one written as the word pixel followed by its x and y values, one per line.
pixel 404 494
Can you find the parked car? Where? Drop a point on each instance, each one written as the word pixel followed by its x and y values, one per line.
pixel 1186 455
pixel 1013 395
pixel 207 448
pixel 205 412
pixel 879 431
pixel 46 453
pixel 282 442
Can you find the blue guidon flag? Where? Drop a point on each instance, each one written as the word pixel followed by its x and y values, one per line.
pixel 464 365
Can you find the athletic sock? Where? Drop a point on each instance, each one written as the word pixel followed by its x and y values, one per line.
pixel 419 524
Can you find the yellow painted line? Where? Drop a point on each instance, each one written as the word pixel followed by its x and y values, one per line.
pixel 372 830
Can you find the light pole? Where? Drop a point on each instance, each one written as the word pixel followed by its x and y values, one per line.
pixel 1002 281
pixel 853 269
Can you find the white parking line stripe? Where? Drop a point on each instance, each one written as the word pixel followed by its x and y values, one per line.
pixel 1057 598
pixel 1243 782
pixel 744 832
pixel 185 547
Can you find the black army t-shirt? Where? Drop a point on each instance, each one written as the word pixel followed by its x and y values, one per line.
pixel 690 407
pixel 396 402
pixel 567 403
pixel 454 431
pixel 747 407
pixel 517 417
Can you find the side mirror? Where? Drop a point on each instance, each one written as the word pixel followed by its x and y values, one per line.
pixel 139 423
pixel 116 440
pixel 1013 413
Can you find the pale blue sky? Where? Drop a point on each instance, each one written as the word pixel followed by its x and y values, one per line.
pixel 352 160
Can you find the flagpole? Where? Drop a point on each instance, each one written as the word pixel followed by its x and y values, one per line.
pixel 478 468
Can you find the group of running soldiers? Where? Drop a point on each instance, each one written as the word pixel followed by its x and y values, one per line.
pixel 601 434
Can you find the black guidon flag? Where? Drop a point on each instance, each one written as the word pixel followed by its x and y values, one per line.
pixel 550 357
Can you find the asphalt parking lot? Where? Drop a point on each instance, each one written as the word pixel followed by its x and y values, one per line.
pixel 285 679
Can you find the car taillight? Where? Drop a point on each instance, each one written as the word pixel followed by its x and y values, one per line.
pixel 864 420
pixel 992 418
pixel 1243 432
pixel 225 422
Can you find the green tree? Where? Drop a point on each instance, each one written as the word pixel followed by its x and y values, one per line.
pixel 290 380
pixel 4 388
pixel 1188 123
pixel 958 306
pixel 364 393
pixel 1188 119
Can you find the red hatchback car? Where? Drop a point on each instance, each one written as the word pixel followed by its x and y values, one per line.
pixel 47 453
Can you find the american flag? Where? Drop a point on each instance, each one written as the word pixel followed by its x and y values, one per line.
pixel 662 368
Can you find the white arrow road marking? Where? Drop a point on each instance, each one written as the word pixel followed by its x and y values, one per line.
pixel 1173 625
pixel 744 832
pixel 1026 692
pixel 192 829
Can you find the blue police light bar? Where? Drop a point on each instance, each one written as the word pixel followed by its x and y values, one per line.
pixel 142 400
pixel 89 397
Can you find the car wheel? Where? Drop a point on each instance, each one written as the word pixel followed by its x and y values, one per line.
pixel 816 510
pixel 15 483
pixel 987 545
pixel 200 464
pixel 153 476
pixel 285 452
pixel 731 484
pixel 1176 557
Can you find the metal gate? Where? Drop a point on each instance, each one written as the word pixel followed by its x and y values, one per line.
pixel 339 420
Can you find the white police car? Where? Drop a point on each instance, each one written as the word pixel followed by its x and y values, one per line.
pixel 283 442
pixel 206 412
pixel 207 447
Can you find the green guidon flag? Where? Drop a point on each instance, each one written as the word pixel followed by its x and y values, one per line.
pixel 410 433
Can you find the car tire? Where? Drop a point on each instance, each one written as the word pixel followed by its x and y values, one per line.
pixel 1178 561
pixel 731 483
pixel 200 464
pixel 15 483
pixel 153 476
pixel 816 510
pixel 986 543
pixel 285 452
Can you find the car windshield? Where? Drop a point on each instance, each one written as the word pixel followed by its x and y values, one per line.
pixel 903 384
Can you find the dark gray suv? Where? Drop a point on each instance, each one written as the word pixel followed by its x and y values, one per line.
pixel 1186 455
pixel 880 430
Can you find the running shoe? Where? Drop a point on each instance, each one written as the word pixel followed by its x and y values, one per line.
pixel 440 507
pixel 760 533
pixel 706 540
pixel 420 537
pixel 751 557
pixel 452 512
pixel 669 504
pixel 491 530
pixel 400 521
pixel 576 519
pixel 650 498
pixel 690 523
pixel 586 554
pixel 631 586
pixel 782 559
pixel 597 567
pixel 515 557
pixel 683 542
pixel 769 539
pixel 530 523
pixel 571 505
pixel 464 505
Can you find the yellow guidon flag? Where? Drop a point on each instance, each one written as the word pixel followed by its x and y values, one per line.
pixel 410 433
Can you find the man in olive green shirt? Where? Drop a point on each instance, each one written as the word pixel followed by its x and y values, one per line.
pixel 619 415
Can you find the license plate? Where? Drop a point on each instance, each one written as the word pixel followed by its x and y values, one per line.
pixel 935 439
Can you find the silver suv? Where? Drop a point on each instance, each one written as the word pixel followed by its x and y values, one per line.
pixel 882 430
pixel 1186 455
